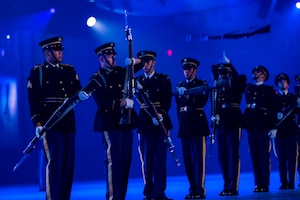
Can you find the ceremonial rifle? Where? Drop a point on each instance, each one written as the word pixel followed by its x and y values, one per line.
pixel 222 83
pixel 152 112
pixel 58 114
pixel 129 78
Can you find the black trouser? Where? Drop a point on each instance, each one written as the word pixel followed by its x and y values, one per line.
pixel 286 149
pixel 153 154
pixel 259 145
pixel 194 157
pixel 228 142
pixel 118 154
pixel 60 153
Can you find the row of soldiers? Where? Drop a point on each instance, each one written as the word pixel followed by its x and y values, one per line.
pixel 267 115
pixel 270 115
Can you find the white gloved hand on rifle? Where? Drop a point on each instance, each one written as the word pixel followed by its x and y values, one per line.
pixel 160 117
pixel 181 90
pixel 272 133
pixel 37 132
pixel 279 115
pixel 82 95
pixel 129 103
pixel 132 61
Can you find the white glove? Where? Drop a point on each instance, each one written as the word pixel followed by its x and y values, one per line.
pixel 130 61
pixel 37 131
pixel 272 133
pixel 139 86
pixel 129 103
pixel 83 95
pixel 298 101
pixel 279 115
pixel 181 90
pixel 215 118
pixel 155 122
pixel 225 59
pixel 160 117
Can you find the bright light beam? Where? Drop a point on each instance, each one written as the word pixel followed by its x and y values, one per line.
pixel 91 21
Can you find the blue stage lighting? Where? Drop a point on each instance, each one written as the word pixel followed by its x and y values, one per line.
pixel 91 21
pixel 52 10
pixel 298 5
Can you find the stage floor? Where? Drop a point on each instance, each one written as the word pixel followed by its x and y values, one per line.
pixel 177 188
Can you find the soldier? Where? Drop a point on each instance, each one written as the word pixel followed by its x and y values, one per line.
pixel 297 93
pixel 193 126
pixel 152 147
pixel 228 116
pixel 49 84
pixel 117 137
pixel 258 121
pixel 286 132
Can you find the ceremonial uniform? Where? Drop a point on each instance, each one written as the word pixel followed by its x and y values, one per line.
pixel 228 125
pixel 48 87
pixel 286 137
pixel 152 148
pixel 258 121
pixel 117 137
pixel 193 129
pixel 297 93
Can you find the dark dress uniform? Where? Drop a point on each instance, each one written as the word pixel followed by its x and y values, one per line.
pixel 297 93
pixel 192 130
pixel 258 121
pixel 117 137
pixel 152 148
pixel 48 86
pixel 286 137
pixel 228 127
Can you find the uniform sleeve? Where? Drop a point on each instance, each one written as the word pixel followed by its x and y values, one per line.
pixel 167 95
pixel 76 82
pixel 35 95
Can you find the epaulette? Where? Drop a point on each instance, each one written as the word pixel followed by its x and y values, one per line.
pixel 67 65
pixel 37 66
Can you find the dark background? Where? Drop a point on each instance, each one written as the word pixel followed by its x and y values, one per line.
pixel 189 28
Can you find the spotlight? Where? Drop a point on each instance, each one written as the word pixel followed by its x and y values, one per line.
pixel 52 10
pixel 91 21
pixel 7 36
pixel 298 5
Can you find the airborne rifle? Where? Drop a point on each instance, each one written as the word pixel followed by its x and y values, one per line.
pixel 222 83
pixel 152 112
pixel 129 78
pixel 58 114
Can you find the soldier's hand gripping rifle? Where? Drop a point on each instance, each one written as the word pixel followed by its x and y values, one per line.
pixel 58 114
pixel 152 112
pixel 222 83
pixel 129 79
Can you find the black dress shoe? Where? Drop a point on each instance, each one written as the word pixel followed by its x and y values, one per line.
pixel 232 193
pixel 283 187
pixel 189 196
pixel 199 196
pixel 223 192
pixel 162 198
pixel 261 189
